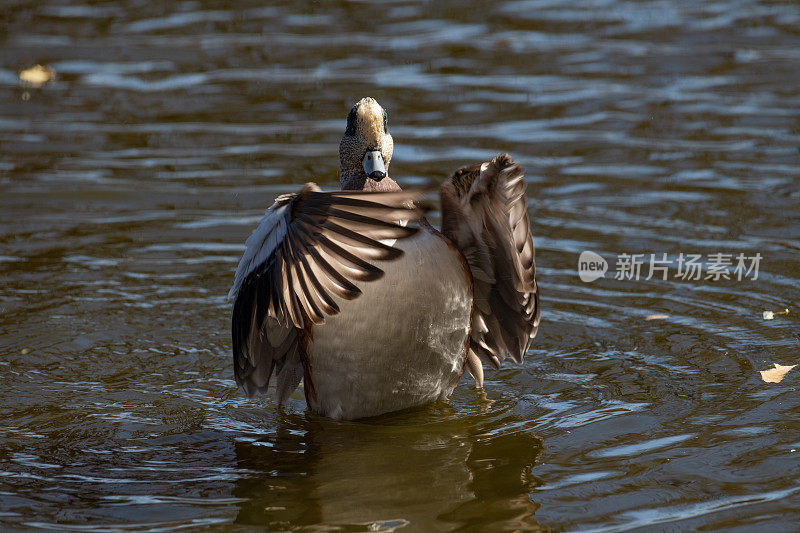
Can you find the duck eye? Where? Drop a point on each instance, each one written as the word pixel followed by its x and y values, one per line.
pixel 385 122
pixel 351 122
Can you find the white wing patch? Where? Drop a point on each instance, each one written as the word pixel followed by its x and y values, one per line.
pixel 260 245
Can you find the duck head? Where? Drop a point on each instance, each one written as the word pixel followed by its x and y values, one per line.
pixel 366 149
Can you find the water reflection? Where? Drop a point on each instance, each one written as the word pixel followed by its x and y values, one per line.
pixel 412 468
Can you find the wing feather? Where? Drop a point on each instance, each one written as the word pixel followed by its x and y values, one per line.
pixel 308 249
pixel 484 213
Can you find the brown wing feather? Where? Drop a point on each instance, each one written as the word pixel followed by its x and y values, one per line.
pixel 308 248
pixel 484 213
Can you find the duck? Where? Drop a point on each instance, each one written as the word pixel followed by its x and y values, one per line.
pixel 356 295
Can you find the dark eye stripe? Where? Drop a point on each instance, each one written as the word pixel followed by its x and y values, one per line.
pixel 385 122
pixel 351 122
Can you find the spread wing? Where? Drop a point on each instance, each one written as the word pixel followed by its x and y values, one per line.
pixel 484 213
pixel 308 247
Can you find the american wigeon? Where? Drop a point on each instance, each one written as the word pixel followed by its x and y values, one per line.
pixel 355 294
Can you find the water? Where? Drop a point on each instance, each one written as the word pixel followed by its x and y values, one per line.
pixel 129 183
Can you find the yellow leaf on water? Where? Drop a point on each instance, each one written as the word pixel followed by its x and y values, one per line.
pixel 769 315
pixel 656 317
pixel 775 375
pixel 36 76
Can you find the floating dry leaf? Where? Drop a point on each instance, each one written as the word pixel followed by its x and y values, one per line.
pixel 36 76
pixel 769 315
pixel 775 375
pixel 656 317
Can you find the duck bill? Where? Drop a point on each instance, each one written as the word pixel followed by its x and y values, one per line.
pixel 373 165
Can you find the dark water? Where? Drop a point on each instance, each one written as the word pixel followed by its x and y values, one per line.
pixel 129 183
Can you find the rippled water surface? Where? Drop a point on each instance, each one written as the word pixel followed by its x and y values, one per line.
pixel 129 183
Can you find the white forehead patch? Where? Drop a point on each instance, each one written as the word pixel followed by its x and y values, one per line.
pixel 370 123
